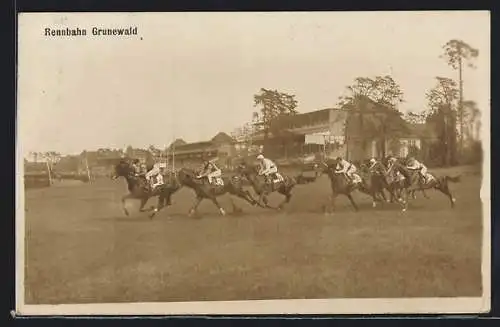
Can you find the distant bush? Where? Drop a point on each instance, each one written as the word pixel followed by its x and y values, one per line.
pixel 36 180
pixel 473 154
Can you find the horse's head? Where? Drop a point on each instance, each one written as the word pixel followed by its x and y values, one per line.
pixel 326 167
pixel 246 170
pixel 122 169
pixel 186 176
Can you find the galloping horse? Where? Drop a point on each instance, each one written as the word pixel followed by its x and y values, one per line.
pixel 139 189
pixel 205 190
pixel 263 189
pixel 374 182
pixel 434 182
pixel 341 185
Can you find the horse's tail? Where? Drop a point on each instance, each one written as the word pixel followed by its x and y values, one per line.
pixel 454 179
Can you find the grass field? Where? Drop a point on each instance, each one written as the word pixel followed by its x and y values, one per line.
pixel 80 248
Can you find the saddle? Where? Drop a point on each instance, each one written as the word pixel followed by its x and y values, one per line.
pixel 356 179
pixel 218 181
pixel 428 178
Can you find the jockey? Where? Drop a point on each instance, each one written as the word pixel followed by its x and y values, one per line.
pixel 391 161
pixel 345 167
pixel 413 164
pixel 209 170
pixel 267 168
pixel 136 164
pixel 153 176
pixel 373 164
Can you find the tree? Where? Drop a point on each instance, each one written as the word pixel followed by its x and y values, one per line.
pixel 441 102
pixel 381 89
pixel 456 53
pixel 416 117
pixel 273 105
pixel 129 151
pixel 472 120
pixel 383 120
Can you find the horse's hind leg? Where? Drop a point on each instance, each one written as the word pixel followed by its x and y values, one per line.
pixel 349 196
pixel 446 191
pixel 236 209
pixel 288 196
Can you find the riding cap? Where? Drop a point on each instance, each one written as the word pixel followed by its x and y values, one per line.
pixel 338 158
pixel 372 160
pixel 260 157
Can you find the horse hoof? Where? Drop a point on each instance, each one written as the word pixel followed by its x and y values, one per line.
pixel 222 212
pixel 453 200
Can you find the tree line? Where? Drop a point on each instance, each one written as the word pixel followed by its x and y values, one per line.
pixel 452 119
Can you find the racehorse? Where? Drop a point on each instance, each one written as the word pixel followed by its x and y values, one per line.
pixel 374 181
pixel 263 188
pixel 205 190
pixel 341 185
pixel 415 183
pixel 139 189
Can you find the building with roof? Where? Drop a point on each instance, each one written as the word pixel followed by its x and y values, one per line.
pixel 366 129
pixel 221 146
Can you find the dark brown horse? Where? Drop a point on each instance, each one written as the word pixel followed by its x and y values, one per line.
pixel 139 189
pixel 373 182
pixel 341 185
pixel 204 190
pixel 263 188
pixel 440 183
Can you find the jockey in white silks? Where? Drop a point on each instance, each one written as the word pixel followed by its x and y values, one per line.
pixel 154 176
pixel 414 164
pixel 345 167
pixel 267 168
pixel 373 163
pixel 210 171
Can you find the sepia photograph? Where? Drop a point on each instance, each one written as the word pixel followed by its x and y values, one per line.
pixel 253 163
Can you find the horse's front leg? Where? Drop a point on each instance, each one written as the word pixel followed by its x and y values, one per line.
pixel 124 200
pixel 248 197
pixel 330 207
pixel 245 195
pixel 161 204
pixel 221 210
pixel 192 211
pixel 143 203
pixel 288 196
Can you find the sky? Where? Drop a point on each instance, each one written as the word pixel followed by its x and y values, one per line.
pixel 191 75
